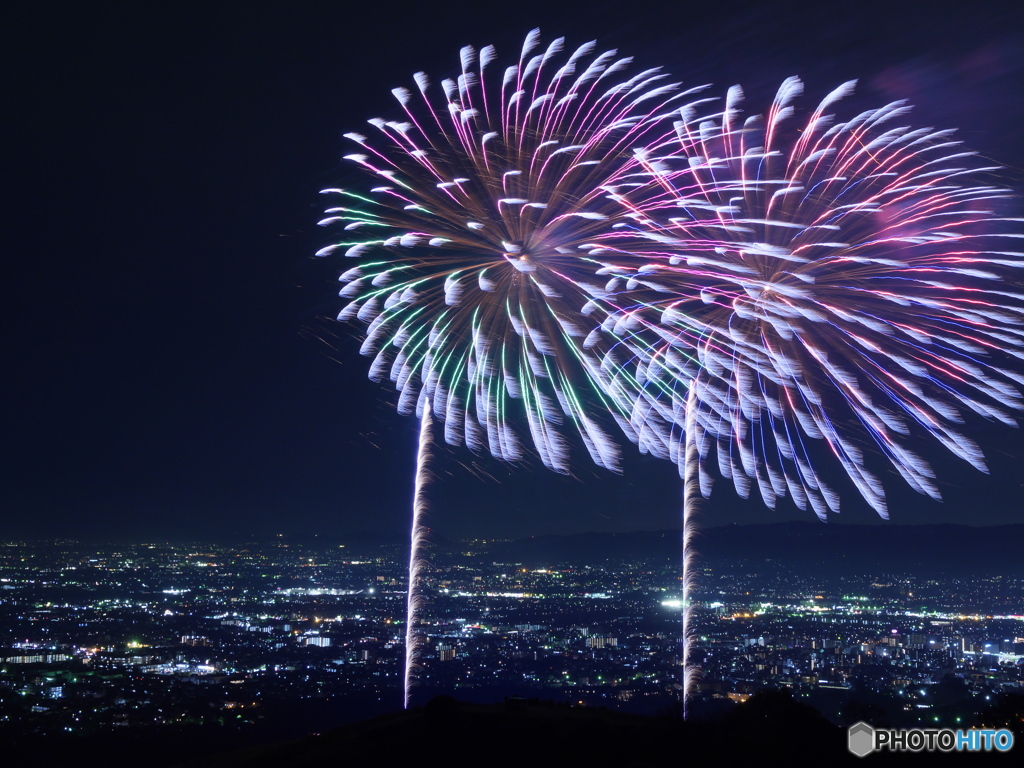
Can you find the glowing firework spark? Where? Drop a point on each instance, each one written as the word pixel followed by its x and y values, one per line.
pixel 841 281
pixel 475 249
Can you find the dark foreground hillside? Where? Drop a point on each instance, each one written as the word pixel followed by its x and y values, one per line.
pixel 770 727
pixel 519 732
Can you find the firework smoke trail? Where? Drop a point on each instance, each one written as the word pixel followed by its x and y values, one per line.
pixel 804 290
pixel 691 499
pixel 414 637
pixel 480 246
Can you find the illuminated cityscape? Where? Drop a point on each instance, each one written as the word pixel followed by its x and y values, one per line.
pixel 103 638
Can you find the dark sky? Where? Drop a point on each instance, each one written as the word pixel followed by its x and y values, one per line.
pixel 171 367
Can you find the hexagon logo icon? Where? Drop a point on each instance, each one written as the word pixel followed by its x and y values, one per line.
pixel 861 739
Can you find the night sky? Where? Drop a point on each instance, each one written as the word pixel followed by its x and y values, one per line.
pixel 172 366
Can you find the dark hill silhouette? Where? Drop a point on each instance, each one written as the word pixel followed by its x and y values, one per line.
pixel 770 726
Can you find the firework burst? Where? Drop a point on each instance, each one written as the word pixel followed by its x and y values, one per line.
pixel 474 249
pixel 840 283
